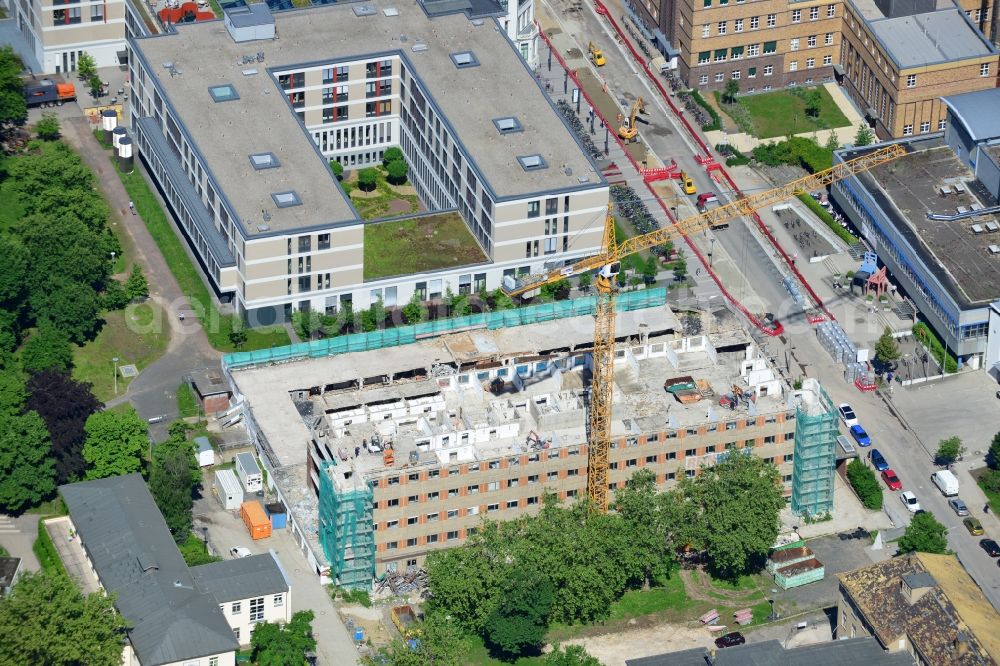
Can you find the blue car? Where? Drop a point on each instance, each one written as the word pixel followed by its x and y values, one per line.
pixel 878 460
pixel 860 436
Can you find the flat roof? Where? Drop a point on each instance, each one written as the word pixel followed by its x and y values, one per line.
pixel 260 120
pixel 978 113
pixel 909 188
pixel 925 39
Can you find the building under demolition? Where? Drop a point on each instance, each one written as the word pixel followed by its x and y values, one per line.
pixel 388 454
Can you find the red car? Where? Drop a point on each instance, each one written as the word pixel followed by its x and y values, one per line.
pixel 891 480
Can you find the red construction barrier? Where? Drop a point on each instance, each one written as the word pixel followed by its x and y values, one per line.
pixel 776 327
pixel 603 11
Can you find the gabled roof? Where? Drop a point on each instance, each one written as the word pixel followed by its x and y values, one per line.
pixel 977 111
pixel 136 558
pixel 241 578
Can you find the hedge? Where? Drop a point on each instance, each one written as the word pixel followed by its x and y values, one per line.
pixel 45 551
pixel 923 333
pixel 733 156
pixel 822 214
pixel 865 484
pixel 797 151
pixel 716 123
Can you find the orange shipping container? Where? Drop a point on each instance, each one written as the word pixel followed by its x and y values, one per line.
pixel 257 522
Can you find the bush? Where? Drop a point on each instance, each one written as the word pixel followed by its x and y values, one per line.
pixel 716 123
pixel 865 484
pixel 923 333
pixel 797 151
pixel 48 127
pixel 367 179
pixel 397 171
pixel 394 154
pixel 46 553
pixel 733 156
pixel 828 220
pixel 338 169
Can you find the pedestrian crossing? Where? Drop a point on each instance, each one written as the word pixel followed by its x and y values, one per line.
pixel 7 525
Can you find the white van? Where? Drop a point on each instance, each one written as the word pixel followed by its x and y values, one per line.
pixel 946 482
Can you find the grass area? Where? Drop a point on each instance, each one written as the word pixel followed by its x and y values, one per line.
pixel 992 497
pixel 385 201
pixel 828 220
pixel 419 244
pixel 52 507
pixel 46 553
pixel 476 654
pixel 740 584
pixel 136 335
pixel 783 112
pixel 635 603
pixel 195 552
pixel 187 403
pixel 216 325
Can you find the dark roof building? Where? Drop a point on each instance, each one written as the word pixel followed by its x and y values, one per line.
pixel 859 651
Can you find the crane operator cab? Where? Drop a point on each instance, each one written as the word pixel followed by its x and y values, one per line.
pixel 606 276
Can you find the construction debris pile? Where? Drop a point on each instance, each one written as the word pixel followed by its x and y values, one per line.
pixel 413 580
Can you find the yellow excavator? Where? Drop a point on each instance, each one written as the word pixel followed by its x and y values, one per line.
pixel 607 264
pixel 596 54
pixel 626 126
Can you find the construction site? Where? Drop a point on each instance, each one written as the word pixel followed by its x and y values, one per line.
pixel 384 455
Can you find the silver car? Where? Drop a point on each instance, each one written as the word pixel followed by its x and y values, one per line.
pixel 958 506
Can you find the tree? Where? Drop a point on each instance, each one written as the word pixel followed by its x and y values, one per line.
pixel 338 169
pixel 555 291
pixel 48 349
pixel 13 107
pixel 414 311
pixel 645 525
pixel 585 281
pixel 46 620
pixel 136 286
pixel 27 471
pixel 518 624
pixel 367 179
pixel 680 267
pixel 114 296
pixel 886 349
pixel 114 443
pixel 441 644
pixel 924 534
pixel 47 127
pixel 814 103
pixel 374 317
pixel 574 655
pixel 730 92
pixel 739 500
pixel 949 450
pixel 832 142
pixel 397 172
pixel 393 154
pixel 993 455
pixel 170 483
pixel 64 404
pixel 865 484
pixel 68 306
pixel 86 66
pixel 307 323
pixel 864 136
pixel 502 301
pixel 274 645
pixel 238 333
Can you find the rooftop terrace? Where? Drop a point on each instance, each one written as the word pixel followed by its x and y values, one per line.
pixel 258 119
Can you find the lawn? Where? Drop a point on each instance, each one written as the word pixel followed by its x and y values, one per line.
pixel 992 497
pixel 782 112
pixel 217 326
pixel 136 335
pixel 45 551
pixel 742 583
pixel 426 243
pixel 187 403
pixel 476 654
pixel 385 201
pixel 636 603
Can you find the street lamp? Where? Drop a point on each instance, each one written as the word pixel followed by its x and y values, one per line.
pixel 772 617
pixel 115 360
pixel 113 253
pixel 711 250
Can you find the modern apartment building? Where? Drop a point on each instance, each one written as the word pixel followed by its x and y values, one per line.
pixel 895 58
pixel 386 455
pixel 239 138
pixel 50 37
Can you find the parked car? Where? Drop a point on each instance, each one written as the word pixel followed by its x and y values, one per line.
pixel 239 551
pixel 958 506
pixel 891 480
pixel 731 639
pixel 860 436
pixel 973 525
pixel 991 547
pixel 910 501
pixel 878 460
pixel 847 414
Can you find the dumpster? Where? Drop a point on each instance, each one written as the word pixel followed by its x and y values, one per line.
pixel 256 520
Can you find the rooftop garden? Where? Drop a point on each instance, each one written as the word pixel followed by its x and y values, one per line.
pixel 415 245
pixel 380 191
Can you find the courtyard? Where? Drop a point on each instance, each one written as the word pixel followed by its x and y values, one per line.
pixel 783 112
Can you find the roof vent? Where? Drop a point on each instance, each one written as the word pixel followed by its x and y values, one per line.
pixel 364 10
pixel 464 59
pixel 250 72
pixel 390 11
pixel 532 162
pixel 508 125
pixel 286 199
pixel 260 161
pixel 418 47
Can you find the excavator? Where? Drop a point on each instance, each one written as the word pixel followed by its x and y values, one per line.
pixel 626 126
pixel 596 54
pixel 607 264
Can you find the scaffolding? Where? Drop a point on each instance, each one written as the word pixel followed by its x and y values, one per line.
pixel 346 531
pixel 815 455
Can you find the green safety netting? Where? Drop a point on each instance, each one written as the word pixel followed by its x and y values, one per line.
pixel 815 458
pixel 404 335
pixel 346 532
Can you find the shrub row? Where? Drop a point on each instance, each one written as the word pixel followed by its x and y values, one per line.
pixel 923 333
pixel 865 484
pixel 798 151
pixel 824 215
pixel 716 123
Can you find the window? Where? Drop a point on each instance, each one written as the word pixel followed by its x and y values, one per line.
pixel 722 27
pixel 771 20
pixel 492 507
pixel 432 538
pixel 828 40
pixel 942 124
pixel 324 241
pixel 831 11
pixel 720 77
pixel 911 80
pixel 925 127
pixel 650 460
pixel 464 59
pixel 432 517
pixel 706 30
pixel 770 47
pixel 753 50
pixel 796 15
pixel 736 74
pixel 328 75
pixel 813 13
pixel 738 25
pixel 704 57
pixel 703 79
pixel 213 661
pixel 793 66
pixel 752 73
pixel 828 60
pixel 512 504
pixel 768 70
pixel 810 63
pixel 534 208
pixel 452 535
pixel 236 633
pixel 411 542
pixel 532 162
pixel 793 44
pixel 452 513
pixel 223 93
pixel 237 608
pixel 907 130
pixel 984 69
pixel 690 452
pixel 736 52
pixel 412 520
pixel 389 524
pixel 811 41
pixel 279 600
pixel 97 12
pixel 257 609
pixel 533 500
pixel 720 55
pixel 754 22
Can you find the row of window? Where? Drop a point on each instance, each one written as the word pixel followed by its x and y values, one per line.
pixel 74 15
pixel 925 127
pixel 338 74
pixel 256 607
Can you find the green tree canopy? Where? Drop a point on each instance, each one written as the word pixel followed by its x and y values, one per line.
pixel 114 444
pixel 441 644
pixel 170 484
pixel 135 285
pixel 393 154
pixel 273 645
pixel 814 103
pixel 27 470
pixel 886 349
pixel 337 168
pixel 647 526
pixel 308 324
pixel 397 172
pixel 13 107
pixel 573 655
pixel 864 136
pixel 238 333
pixel 46 620
pixel 949 450
pixel 48 349
pixel 924 534
pixel 415 311
pixel 993 456
pixel 519 621
pixel 47 127
pixel 502 301
pixel 86 66
pixel 865 484
pixel 730 92
pixel 367 179
pixel 71 307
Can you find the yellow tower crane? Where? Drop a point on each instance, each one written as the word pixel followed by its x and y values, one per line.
pixel 607 265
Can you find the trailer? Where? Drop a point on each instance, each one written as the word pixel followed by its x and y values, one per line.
pixel 47 92
pixel 249 472
pixel 227 489
pixel 257 522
